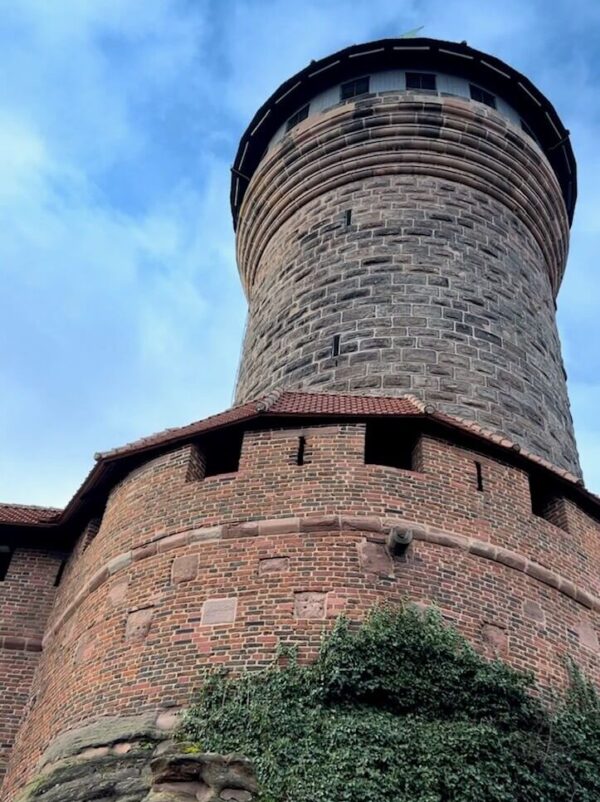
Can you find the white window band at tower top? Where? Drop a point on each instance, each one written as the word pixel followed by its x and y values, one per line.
pixel 409 81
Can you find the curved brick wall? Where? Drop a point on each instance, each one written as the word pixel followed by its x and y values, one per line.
pixel 441 285
pixel 186 572
pixel 26 596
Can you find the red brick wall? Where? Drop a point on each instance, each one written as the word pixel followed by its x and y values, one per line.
pixel 26 595
pixel 187 572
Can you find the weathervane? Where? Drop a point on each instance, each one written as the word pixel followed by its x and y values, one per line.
pixel 412 33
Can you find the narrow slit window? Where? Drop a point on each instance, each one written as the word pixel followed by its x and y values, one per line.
pixel 479 473
pixel 296 118
pixel 359 86
pixel 301 451
pixel 5 557
pixel 482 96
pixel 336 345
pixel 348 216
pixel 421 80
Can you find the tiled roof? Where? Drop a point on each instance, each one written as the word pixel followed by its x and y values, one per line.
pixel 498 439
pixel 232 415
pixel 275 404
pixel 323 404
pixel 28 514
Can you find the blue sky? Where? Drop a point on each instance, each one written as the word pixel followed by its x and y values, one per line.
pixel 120 308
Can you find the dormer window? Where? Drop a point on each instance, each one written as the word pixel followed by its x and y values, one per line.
pixel 359 86
pixel 482 96
pixel 296 118
pixel 421 80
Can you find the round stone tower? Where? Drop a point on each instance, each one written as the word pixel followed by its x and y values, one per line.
pixel 402 212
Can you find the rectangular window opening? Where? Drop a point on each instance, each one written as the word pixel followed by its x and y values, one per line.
pixel 348 216
pixel 420 80
pixel 90 532
pixel 528 130
pixel 350 89
pixel 335 350
pixel 296 118
pixel 222 452
pixel 547 501
pixel 479 472
pixel 6 553
pixel 60 572
pixel 301 451
pixel 392 443
pixel 482 96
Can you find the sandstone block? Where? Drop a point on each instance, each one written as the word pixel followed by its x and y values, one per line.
pixel 219 611
pixel 309 605
pixel 138 624
pixel 184 568
pixel 375 559
pixel 272 565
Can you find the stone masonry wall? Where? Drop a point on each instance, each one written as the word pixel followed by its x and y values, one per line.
pixel 401 245
pixel 186 573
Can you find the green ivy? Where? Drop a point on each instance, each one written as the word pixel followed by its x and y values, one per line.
pixel 402 709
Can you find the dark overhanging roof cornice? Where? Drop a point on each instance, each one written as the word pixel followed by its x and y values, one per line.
pixel 433 54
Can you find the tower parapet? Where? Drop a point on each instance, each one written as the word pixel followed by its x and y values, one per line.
pixel 402 213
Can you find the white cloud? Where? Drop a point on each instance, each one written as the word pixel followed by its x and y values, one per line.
pixel 109 312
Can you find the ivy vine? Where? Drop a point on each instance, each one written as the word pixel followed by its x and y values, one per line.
pixel 402 709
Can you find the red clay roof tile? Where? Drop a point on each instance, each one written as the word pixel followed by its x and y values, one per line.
pixel 25 514
pixel 323 404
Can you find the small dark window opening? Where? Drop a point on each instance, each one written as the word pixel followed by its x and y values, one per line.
pixel 359 86
pixel 479 472
pixel 547 501
pixel 348 216
pixel 222 452
pixel 335 351
pixel 296 118
pixel 391 443
pixel 6 554
pixel 90 532
pixel 301 451
pixel 60 572
pixel 420 80
pixel 481 96
pixel 528 130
